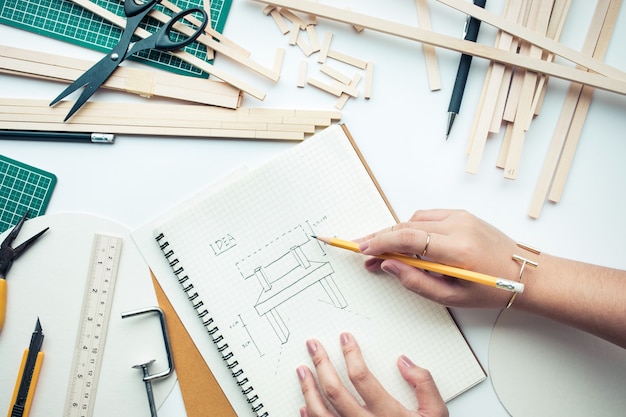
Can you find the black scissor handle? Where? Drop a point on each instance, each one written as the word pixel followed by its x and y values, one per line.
pixel 162 38
pixel 132 8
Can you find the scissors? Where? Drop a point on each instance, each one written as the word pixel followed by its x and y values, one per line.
pixel 94 77
pixel 7 256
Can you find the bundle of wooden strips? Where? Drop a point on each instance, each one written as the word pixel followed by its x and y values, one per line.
pixel 165 119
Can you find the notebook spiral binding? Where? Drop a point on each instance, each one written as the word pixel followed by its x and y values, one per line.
pixel 212 329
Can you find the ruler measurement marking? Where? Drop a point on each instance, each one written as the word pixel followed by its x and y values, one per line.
pixel 94 318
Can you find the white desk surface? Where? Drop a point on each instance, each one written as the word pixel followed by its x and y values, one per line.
pixel 400 131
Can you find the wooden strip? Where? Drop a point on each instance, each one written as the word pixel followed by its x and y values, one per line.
pixel 488 79
pixel 280 22
pixel 346 88
pixel 302 73
pixel 488 104
pixel 343 99
pixel 182 113
pixel 505 145
pixel 268 9
pixel 328 36
pixel 119 118
pixel 161 131
pixel 214 33
pixel 329 88
pixel 369 76
pixel 164 84
pixel 525 48
pixel 592 45
pixel 573 137
pixel 520 16
pixel 185 56
pixel 557 22
pixel 498 112
pixel 293 18
pixel 569 147
pixel 471 48
pixel 304 113
pixel 211 44
pixel 278 60
pixel 304 46
pixel 479 112
pixel 313 40
pixel 538 22
pixel 347 59
pixel 294 31
pixel 541 41
pixel 335 73
pixel 430 54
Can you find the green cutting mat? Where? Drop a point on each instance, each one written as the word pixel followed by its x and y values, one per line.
pixel 22 187
pixel 64 20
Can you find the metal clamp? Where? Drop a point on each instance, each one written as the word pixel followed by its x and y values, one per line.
pixel 147 377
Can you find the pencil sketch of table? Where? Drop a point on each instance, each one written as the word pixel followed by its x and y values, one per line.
pixel 287 276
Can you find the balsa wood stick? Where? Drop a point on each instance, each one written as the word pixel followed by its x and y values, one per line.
pixel 471 48
pixel 343 99
pixel 213 45
pixel 185 56
pixel 489 78
pixel 489 101
pixel 539 22
pixel 521 47
pixel 430 54
pixel 166 119
pixel 507 78
pixel 541 41
pixel 557 22
pixel 590 46
pixel 145 83
pixel 573 136
pixel 214 33
pixel 179 111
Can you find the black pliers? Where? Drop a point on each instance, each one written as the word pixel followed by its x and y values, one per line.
pixel 7 255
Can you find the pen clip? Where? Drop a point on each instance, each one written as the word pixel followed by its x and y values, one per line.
pixel 466 27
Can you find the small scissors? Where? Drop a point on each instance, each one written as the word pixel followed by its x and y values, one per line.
pixel 93 78
pixel 7 255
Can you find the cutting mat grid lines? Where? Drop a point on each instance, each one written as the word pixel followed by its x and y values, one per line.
pixel 69 22
pixel 22 187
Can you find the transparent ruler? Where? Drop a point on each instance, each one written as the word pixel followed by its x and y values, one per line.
pixel 94 318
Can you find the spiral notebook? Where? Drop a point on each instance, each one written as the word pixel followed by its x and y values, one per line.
pixel 261 285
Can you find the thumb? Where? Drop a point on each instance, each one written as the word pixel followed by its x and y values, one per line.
pixel 430 403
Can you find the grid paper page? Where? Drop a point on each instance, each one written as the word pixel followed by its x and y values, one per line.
pixel 248 253
pixel 69 22
pixel 22 187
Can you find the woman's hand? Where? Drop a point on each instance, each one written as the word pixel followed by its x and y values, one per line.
pixel 451 237
pixel 377 402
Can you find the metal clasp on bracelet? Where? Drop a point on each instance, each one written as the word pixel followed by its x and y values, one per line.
pixel 523 261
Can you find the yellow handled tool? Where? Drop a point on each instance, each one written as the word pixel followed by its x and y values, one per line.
pixel 7 255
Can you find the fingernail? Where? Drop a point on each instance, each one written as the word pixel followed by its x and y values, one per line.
pixel 406 361
pixel 391 269
pixel 363 246
pixel 372 262
pixel 301 371
pixel 344 338
pixel 311 346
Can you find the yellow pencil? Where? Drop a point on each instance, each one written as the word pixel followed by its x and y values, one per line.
pixel 447 270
